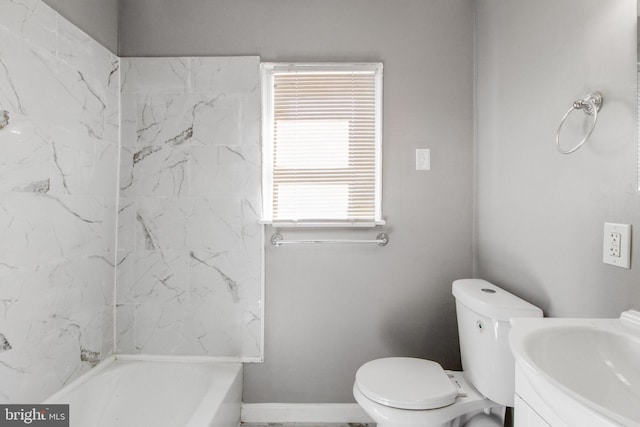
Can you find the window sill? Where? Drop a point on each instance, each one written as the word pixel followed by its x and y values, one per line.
pixel 323 224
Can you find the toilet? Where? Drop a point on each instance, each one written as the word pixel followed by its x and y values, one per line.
pixel 406 391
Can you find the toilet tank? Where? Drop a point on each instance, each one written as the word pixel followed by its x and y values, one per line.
pixel 483 312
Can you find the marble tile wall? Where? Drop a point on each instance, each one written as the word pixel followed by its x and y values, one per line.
pixel 189 242
pixel 186 267
pixel 58 189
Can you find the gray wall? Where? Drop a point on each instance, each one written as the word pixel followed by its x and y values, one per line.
pixel 540 214
pixel 331 308
pixel 98 18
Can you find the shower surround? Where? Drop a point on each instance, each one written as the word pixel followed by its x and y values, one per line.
pixel 175 251
pixel 189 240
pixel 58 156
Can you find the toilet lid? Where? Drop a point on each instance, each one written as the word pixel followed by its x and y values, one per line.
pixel 406 383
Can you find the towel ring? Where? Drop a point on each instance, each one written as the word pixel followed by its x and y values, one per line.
pixel 590 105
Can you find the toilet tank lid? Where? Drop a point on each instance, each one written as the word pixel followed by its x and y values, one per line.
pixel 487 299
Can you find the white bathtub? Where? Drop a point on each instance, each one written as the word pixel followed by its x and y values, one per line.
pixel 135 393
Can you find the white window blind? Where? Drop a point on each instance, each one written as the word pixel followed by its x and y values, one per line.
pixel 322 143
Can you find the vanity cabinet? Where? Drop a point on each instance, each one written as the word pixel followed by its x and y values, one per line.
pixel 530 409
pixel 525 416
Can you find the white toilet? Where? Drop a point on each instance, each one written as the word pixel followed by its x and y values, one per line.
pixel 405 391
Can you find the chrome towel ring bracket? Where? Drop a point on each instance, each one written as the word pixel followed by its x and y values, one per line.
pixel 591 105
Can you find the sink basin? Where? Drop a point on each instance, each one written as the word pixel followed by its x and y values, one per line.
pixel 590 366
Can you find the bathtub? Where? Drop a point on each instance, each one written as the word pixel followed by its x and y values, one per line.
pixel 137 393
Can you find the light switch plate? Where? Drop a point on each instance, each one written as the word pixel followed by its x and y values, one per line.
pixel 616 247
pixel 423 159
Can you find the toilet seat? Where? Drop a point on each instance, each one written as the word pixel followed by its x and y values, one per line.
pixel 468 403
pixel 406 383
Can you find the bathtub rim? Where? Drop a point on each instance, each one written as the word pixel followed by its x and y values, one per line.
pixel 187 359
pixel 80 380
pixel 103 365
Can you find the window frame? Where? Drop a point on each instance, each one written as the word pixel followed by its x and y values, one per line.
pixel 267 71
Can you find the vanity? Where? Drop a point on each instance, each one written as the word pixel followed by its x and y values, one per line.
pixel 577 372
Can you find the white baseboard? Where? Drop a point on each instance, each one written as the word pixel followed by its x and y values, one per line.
pixel 262 413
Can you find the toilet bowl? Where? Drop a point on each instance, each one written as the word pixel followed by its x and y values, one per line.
pixel 411 392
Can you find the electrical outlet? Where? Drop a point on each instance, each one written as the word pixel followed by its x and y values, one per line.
pixel 616 248
pixel 614 244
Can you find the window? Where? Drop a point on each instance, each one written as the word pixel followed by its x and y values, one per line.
pixel 322 144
